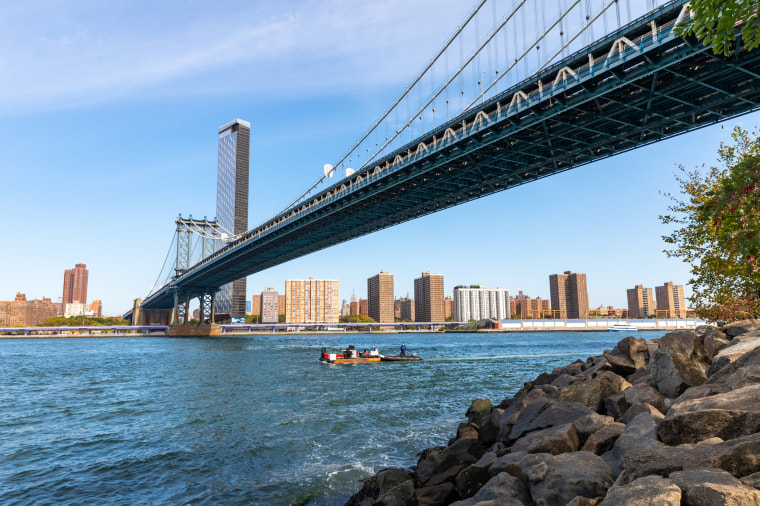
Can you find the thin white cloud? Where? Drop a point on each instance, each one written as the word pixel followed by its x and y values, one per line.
pixel 62 54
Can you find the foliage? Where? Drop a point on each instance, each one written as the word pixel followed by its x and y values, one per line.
pixel 714 21
pixel 357 318
pixel 82 321
pixel 718 231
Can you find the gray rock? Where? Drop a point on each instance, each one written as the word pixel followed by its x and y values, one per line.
pixel 563 381
pixel 628 355
pixel 744 338
pixel 488 431
pixel 604 439
pixel 438 495
pixel 753 480
pixel 673 372
pixel 640 376
pixel 467 431
pixel 478 409
pixel 705 390
pixel 640 433
pixel 740 366
pixel 687 344
pixel 592 392
pixel 469 481
pixel 427 463
pixel 452 460
pixel 558 479
pixel 509 463
pixel 554 440
pixel 582 501
pixel 740 457
pixel 645 394
pixel 616 405
pixel 703 330
pixel 400 495
pixel 589 424
pixel 729 415
pixel 502 489
pixel 390 478
pixel 741 327
pixel 540 415
pixel 646 491
pixel 637 409
pixel 714 343
pixel 515 407
pixel 714 486
pixel 730 355
pixel 572 369
pixel 655 459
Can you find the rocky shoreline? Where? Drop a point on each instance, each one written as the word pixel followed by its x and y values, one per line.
pixel 674 420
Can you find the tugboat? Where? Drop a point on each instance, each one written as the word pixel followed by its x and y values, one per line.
pixel 349 356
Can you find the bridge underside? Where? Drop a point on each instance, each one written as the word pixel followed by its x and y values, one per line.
pixel 671 88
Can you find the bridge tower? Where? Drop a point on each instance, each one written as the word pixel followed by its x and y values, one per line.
pixel 192 234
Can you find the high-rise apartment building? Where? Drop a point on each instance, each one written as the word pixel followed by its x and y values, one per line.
pixel 311 301
pixel 26 313
pixel 670 301
pixel 640 302
pixel 232 204
pixel 75 285
pixel 428 298
pixel 478 303
pixel 380 297
pixel 256 306
pixel 270 302
pixel 405 309
pixel 569 294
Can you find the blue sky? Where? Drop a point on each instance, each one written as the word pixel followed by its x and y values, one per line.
pixel 108 128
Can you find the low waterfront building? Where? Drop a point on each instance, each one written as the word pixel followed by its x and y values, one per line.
pixel 523 306
pixel 478 303
pixel 26 313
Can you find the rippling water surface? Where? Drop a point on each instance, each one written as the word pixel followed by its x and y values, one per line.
pixel 243 420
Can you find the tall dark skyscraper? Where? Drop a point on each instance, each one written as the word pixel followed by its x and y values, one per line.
pixel 75 285
pixel 232 203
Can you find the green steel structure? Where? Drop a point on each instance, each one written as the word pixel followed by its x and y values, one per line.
pixel 639 85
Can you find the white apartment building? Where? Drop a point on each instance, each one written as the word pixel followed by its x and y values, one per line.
pixel 478 303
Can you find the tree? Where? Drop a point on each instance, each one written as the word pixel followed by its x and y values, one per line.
pixel 718 231
pixel 356 318
pixel 714 22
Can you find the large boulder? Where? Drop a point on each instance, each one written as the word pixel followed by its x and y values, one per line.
pixel 741 327
pixel 437 495
pixel 604 439
pixel 488 431
pixel 558 479
pixel 654 459
pixel 469 481
pixel 714 486
pixel 515 406
pixel 554 440
pixel 687 344
pixel 502 489
pixel 640 433
pixel 589 424
pixel 509 463
pixel 646 491
pixel 727 416
pixel 390 478
pixel 478 409
pixel 674 372
pixel 740 457
pixel 592 392
pixel 545 413
pixel 400 495
pixel 646 394
pixel 724 364
pixel 715 342
pixel 453 460
pixel 638 408
pixel 427 463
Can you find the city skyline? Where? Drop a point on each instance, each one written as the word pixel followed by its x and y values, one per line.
pixel 581 219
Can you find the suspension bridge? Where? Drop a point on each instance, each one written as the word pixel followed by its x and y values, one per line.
pixel 550 85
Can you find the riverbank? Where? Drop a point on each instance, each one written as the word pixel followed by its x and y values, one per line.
pixel 674 420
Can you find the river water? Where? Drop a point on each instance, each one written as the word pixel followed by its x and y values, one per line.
pixel 243 420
